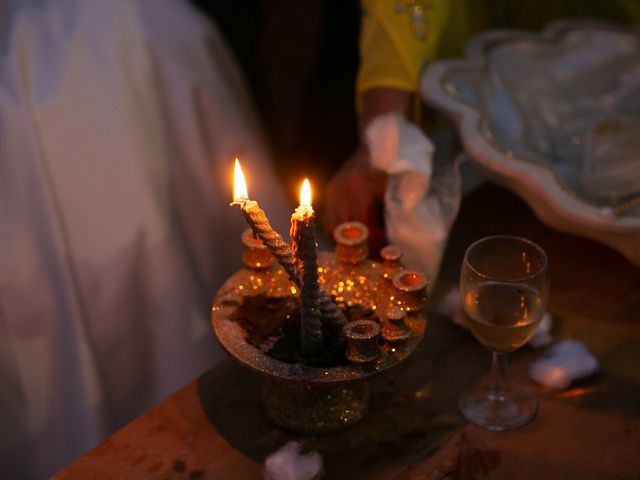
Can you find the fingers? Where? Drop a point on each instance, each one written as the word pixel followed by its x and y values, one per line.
pixel 349 196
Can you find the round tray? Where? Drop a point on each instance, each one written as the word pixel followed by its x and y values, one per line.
pixel 232 335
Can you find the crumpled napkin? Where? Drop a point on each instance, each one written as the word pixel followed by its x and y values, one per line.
pixel 451 307
pixel 563 363
pixel 542 337
pixel 420 203
pixel 288 463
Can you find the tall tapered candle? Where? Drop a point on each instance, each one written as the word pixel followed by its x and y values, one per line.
pixel 303 241
pixel 259 223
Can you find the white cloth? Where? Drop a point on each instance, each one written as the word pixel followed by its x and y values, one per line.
pixel 563 363
pixel 288 463
pixel 542 336
pixel 119 123
pixel 419 207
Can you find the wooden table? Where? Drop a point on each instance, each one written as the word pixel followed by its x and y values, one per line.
pixel 213 427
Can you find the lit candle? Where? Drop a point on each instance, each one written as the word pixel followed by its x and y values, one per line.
pixel 259 223
pixel 303 241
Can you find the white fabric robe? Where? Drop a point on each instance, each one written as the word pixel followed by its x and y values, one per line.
pixel 119 123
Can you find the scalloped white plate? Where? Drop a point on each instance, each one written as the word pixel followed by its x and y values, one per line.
pixel 555 117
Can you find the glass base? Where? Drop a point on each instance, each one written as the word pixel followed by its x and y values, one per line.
pixel 498 412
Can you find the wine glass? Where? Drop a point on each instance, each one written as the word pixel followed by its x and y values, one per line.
pixel 504 287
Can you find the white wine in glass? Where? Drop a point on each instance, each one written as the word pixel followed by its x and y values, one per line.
pixel 503 316
pixel 504 289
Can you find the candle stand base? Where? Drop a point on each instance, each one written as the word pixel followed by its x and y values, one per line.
pixel 312 410
pixel 299 397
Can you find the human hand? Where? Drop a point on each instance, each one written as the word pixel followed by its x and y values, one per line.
pixel 355 193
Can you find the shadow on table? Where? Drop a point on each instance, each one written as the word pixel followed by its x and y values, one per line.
pixel 413 408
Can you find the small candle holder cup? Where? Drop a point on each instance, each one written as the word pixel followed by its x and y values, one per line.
pixel 351 242
pixel 391 264
pixel 362 338
pixel 348 274
pixel 395 329
pixel 411 289
pixel 255 255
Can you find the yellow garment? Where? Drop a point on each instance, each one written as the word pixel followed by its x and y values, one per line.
pixel 393 51
pixel 396 39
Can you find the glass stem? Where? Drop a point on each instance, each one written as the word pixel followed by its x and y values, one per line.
pixel 498 386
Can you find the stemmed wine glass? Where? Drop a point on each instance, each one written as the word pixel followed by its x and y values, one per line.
pixel 504 287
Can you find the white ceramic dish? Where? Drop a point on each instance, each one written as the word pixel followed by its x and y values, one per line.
pixel 555 117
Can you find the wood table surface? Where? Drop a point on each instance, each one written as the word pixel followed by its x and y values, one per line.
pixel 213 428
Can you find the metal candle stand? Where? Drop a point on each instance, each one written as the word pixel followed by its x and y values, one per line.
pixel 386 324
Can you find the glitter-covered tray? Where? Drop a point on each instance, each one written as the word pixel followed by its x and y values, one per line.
pixel 231 334
pixel 299 397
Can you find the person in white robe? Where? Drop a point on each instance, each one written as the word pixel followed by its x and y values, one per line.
pixel 119 124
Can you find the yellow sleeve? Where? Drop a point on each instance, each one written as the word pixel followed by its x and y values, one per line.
pixel 397 38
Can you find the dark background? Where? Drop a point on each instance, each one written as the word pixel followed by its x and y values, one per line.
pixel 300 61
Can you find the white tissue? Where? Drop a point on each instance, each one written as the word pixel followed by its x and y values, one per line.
pixel 562 364
pixel 398 146
pixel 451 306
pixel 541 337
pixel 288 463
pixel 420 207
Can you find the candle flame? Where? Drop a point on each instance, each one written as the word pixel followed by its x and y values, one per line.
pixel 305 193
pixel 240 193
